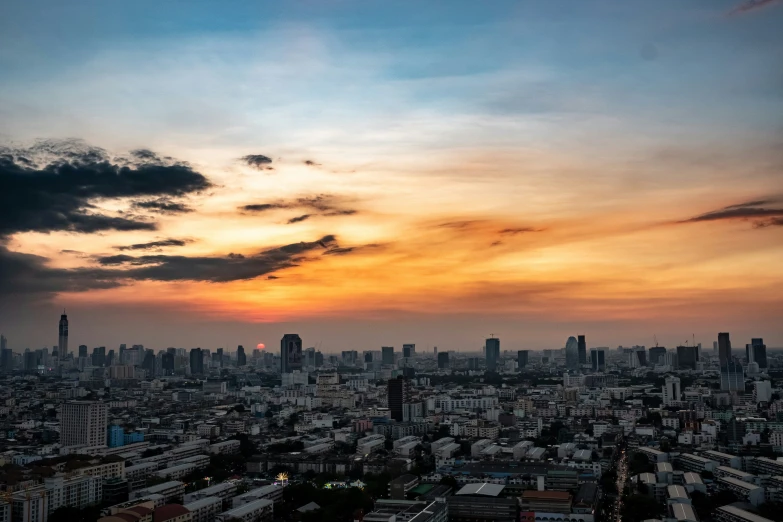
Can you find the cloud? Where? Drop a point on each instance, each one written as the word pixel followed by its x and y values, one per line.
pixel 751 5
pixel 262 207
pixel 53 185
pixel 519 230
pixel 257 161
pixel 163 206
pixel 755 211
pixel 155 245
pixel 311 163
pixel 341 251
pixel 299 219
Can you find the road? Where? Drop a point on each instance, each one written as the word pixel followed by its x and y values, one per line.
pixel 622 477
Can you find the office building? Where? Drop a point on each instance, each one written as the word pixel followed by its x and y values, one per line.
pixel 167 363
pixel 687 357
pixel 732 376
pixel 387 355
pixel 492 348
pixel 149 363
pixel 62 344
pixel 99 356
pixel 656 355
pixel 398 395
pixel 241 357
pixel 572 353
pixel 196 361
pixel 412 511
pixel 582 348
pixel 443 360
pixel 408 350
pixel 290 353
pixel 82 350
pixel 724 348
pixel 83 423
pixel 598 360
pixel 481 501
pixel 671 390
pixel 756 352
pixel 762 391
pixel 522 357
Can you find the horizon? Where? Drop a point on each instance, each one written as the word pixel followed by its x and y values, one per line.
pixel 363 174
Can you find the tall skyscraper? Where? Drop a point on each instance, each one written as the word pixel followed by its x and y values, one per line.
pixel 387 355
pixel 732 376
pixel 167 363
pixel 83 423
pixel 290 353
pixel 241 357
pixel 196 361
pixel 3 342
pixel 572 353
pixel 62 344
pixel 724 348
pixel 408 350
pixel 99 356
pixel 582 345
pixel 671 390
pixel 492 349
pixel 443 360
pixel 687 357
pixel 598 360
pixel 149 363
pixel 398 395
pixel 522 356
pixel 657 354
pixel 756 352
pixel 82 350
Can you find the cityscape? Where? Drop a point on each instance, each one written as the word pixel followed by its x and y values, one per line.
pixel 391 261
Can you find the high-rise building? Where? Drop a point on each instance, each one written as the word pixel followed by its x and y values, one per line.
pixel 582 346
pixel 196 361
pixel 110 358
pixel 167 363
pixel 241 357
pixel 82 350
pixel 762 391
pixel 656 354
pixel 387 355
pixel 443 360
pixel 3 342
pixel 687 357
pixel 6 355
pixel 598 360
pixel 408 350
pixel 149 363
pixel 756 352
pixel 83 423
pixel 290 353
pixel 319 359
pixel 732 376
pixel 724 348
pixel 492 349
pixel 398 395
pixel 522 357
pixel 572 353
pixel 99 356
pixel 367 356
pixel 671 390
pixel 62 344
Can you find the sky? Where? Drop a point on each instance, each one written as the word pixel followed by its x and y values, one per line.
pixel 372 173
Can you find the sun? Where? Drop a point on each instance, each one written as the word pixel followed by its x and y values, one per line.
pixel 260 346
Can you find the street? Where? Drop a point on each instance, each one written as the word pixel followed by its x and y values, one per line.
pixel 622 477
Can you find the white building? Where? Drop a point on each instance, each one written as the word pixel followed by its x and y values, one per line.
pixel 671 390
pixel 257 510
pixel 204 509
pixel 83 423
pixel 762 391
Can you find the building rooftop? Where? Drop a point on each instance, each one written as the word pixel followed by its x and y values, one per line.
pixel 169 512
pixel 482 488
pixel 546 495
pixel 747 515
pixel 682 511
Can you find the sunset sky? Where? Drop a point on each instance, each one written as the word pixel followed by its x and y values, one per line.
pixel 371 173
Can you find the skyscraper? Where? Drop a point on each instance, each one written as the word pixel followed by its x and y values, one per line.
pixel 492 349
pixel 62 344
pixel 687 357
pixel 582 345
pixel 241 357
pixel 598 360
pixel 398 395
pixel 3 342
pixel 443 360
pixel 521 359
pixel 657 354
pixel 387 355
pixel 83 423
pixel 167 363
pixel 196 362
pixel 732 376
pixel 408 350
pixel 724 348
pixel 572 353
pixel 290 353
pixel 99 356
pixel 82 350
pixel 756 352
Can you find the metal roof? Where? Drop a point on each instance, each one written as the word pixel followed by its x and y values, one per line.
pixel 482 488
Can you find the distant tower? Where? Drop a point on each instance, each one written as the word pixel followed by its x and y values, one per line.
pixel 492 352
pixel 582 345
pixel 572 353
pixel 724 348
pixel 241 357
pixel 62 345
pixel 290 353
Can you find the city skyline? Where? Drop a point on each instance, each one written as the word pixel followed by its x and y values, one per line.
pixel 366 177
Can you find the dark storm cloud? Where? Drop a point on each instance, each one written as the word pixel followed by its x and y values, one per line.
pixel 155 245
pixel 29 274
pixel 299 219
pixel 52 186
pixel 257 161
pixel 751 5
pixel 755 211
pixel 163 206
pixel 318 205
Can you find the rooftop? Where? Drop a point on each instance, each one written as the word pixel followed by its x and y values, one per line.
pixel 482 488
pixel 546 495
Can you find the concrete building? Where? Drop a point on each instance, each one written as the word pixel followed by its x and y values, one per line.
pixel 481 501
pixel 205 509
pixel 83 423
pixel 258 510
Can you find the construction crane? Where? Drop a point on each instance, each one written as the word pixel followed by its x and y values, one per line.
pixel 656 340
